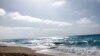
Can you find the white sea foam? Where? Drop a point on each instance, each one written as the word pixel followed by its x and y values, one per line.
pixel 71 51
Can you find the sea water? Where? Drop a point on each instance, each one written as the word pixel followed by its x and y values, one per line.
pixel 77 45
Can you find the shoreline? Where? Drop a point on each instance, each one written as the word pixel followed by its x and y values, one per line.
pixel 18 51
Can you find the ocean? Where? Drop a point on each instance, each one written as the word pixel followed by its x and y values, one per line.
pixel 77 45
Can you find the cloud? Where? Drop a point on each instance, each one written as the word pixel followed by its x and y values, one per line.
pixel 16 25
pixel 8 27
pixel 28 32
pixel 86 22
pixel 59 3
pixel 18 16
pixel 15 32
pixel 2 12
pixel 98 0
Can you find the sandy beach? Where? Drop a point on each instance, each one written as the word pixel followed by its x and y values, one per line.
pixel 18 51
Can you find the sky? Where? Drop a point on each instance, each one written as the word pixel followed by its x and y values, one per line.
pixel 48 18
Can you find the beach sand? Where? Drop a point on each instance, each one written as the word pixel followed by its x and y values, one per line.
pixel 18 51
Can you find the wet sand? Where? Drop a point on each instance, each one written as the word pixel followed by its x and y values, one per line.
pixel 18 51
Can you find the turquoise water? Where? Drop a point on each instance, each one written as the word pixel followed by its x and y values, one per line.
pixel 76 40
pixel 83 40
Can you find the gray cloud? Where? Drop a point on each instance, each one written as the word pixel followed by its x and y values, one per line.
pixel 38 27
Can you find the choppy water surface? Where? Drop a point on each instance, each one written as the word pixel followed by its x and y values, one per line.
pixel 78 45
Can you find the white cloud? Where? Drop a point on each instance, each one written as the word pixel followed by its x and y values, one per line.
pixel 2 12
pixel 45 28
pixel 18 16
pixel 86 22
pixel 21 28
pixel 59 3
